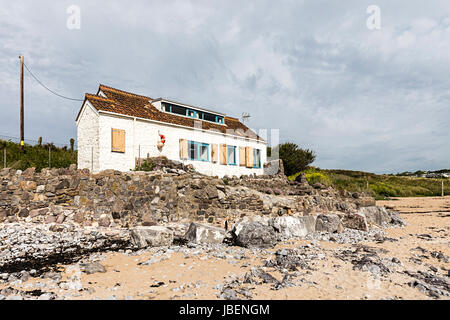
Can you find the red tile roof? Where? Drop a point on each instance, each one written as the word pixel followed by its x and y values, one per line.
pixel 130 104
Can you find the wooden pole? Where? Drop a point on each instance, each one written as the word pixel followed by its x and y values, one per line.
pixel 22 142
pixel 49 158
pixel 442 187
pixel 4 158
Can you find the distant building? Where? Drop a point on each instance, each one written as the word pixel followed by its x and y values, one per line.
pixel 115 128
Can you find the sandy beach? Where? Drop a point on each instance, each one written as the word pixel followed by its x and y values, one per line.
pixel 423 245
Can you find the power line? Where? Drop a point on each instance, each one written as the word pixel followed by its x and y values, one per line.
pixel 43 85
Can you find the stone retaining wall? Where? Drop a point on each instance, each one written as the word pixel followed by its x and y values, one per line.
pixel 113 198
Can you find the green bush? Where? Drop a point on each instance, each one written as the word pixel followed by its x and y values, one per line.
pixel 146 165
pixel 318 177
pixel 36 156
pixel 294 158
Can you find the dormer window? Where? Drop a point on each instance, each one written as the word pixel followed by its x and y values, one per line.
pixel 219 119
pixel 191 113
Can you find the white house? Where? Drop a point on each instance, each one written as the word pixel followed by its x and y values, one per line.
pixel 115 128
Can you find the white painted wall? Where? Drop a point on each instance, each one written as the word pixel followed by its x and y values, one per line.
pixel 141 138
pixel 87 138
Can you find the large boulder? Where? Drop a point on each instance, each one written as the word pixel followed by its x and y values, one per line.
pixel 239 225
pixel 355 221
pixel 200 233
pixel 255 234
pixel 291 227
pixel 153 236
pixel 328 223
pixel 376 215
pixel 395 218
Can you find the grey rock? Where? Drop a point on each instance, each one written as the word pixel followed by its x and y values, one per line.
pixel 376 215
pixel 328 223
pixel 255 234
pixel 200 233
pixel 291 227
pixel 355 221
pixel 92 267
pixel 153 236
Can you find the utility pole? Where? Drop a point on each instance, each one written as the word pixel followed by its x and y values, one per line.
pixel 22 143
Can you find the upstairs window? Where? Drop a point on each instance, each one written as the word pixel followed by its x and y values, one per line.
pixel 256 158
pixel 191 113
pixel 219 119
pixel 231 155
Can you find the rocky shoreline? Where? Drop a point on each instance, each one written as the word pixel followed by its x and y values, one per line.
pixel 58 226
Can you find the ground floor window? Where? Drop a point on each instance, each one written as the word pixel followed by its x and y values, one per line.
pixel 256 158
pixel 198 151
pixel 231 155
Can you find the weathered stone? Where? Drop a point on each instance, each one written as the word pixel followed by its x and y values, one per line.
pixel 395 218
pixel 61 218
pixel 104 221
pixel 200 233
pixel 50 219
pixel 255 234
pixel 153 236
pixel 291 227
pixel 63 184
pixel 328 223
pixel 376 215
pixel 79 217
pixel 355 221
pixel 29 172
pixel 92 267
pixel 24 213
pixel 301 178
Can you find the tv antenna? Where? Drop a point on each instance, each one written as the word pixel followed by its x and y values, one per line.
pixel 245 116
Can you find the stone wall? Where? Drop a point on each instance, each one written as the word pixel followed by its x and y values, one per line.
pixel 112 198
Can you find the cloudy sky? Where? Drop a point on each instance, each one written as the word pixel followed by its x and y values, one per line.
pixel 375 100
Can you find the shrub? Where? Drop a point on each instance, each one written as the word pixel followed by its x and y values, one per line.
pixel 146 165
pixel 294 158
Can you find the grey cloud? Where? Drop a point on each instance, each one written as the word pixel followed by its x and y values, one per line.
pixel 364 100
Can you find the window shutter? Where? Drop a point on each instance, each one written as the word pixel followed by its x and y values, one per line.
pixel 223 154
pixel 183 149
pixel 214 153
pixel 249 157
pixel 117 140
pixel 242 156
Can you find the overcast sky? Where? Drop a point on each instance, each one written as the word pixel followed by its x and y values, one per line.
pixel 375 100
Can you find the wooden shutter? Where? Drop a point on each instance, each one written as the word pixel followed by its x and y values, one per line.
pixel 242 156
pixel 183 149
pixel 223 154
pixel 214 153
pixel 249 157
pixel 117 140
